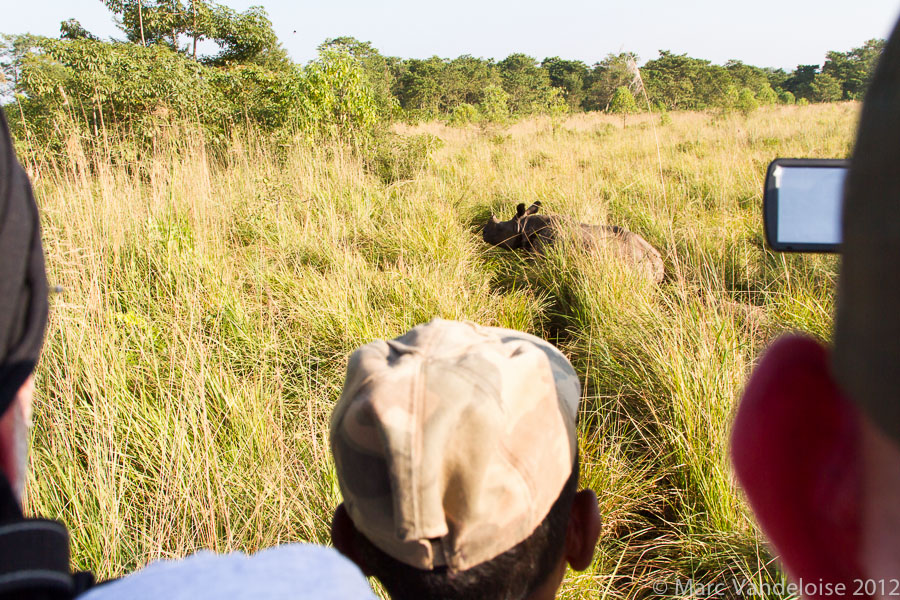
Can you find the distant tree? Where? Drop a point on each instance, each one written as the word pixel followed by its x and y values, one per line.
pixel 71 29
pixel 419 88
pixel 464 80
pixel 758 80
pixel 826 88
pixel 748 76
pixel 245 38
pixel 606 77
pixel 854 69
pixel 623 103
pixel 712 84
pixel 800 81
pixel 526 83
pixel 15 51
pixel 379 71
pixel 569 77
pixel 436 85
pixel 199 22
pixel 776 77
pixel 359 50
pixel 678 81
pixel 150 21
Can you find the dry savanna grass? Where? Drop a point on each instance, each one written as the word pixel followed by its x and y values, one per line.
pixel 210 301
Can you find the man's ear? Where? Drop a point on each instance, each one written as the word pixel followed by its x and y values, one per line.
pixel 343 536
pixel 796 451
pixel 583 531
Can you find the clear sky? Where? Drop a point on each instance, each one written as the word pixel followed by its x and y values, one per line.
pixel 776 33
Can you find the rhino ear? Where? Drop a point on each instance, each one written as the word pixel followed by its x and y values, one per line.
pixel 520 210
pixel 533 208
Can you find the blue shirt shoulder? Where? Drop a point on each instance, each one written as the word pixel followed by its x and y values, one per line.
pixel 290 571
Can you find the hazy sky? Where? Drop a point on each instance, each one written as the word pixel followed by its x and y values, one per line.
pixel 763 33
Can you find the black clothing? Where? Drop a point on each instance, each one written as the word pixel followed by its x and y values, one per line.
pixel 34 556
pixel 23 282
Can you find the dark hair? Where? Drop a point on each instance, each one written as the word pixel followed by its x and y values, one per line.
pixel 512 575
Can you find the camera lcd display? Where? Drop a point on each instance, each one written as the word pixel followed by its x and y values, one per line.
pixel 809 204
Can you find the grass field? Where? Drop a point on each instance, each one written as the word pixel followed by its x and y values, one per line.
pixel 209 302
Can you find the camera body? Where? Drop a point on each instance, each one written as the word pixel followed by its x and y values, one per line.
pixel 802 204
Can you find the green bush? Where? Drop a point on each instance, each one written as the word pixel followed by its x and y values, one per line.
pixel 746 102
pixel 463 114
pixel 786 97
pixel 398 158
pixel 101 83
pixel 623 103
pixel 729 99
pixel 335 97
pixel 556 104
pixel 494 106
pixel 767 96
pixel 98 86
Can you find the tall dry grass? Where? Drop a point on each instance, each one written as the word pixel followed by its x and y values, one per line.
pixel 210 303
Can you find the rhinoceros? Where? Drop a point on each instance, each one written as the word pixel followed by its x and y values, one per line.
pixel 532 232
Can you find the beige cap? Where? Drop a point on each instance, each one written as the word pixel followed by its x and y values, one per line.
pixel 453 441
pixel 867 330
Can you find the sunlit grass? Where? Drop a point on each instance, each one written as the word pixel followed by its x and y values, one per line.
pixel 210 303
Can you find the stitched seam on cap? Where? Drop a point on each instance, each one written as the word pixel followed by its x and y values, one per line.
pixel 519 469
pixel 415 444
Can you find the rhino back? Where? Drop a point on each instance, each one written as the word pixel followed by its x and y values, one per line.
pixel 628 245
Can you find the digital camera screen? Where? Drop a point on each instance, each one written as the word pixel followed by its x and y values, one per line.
pixel 809 204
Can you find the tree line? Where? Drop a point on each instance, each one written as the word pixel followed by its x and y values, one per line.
pixel 440 86
pixel 158 72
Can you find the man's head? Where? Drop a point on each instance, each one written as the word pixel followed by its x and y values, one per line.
pixel 23 309
pixel 455 451
pixel 816 442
